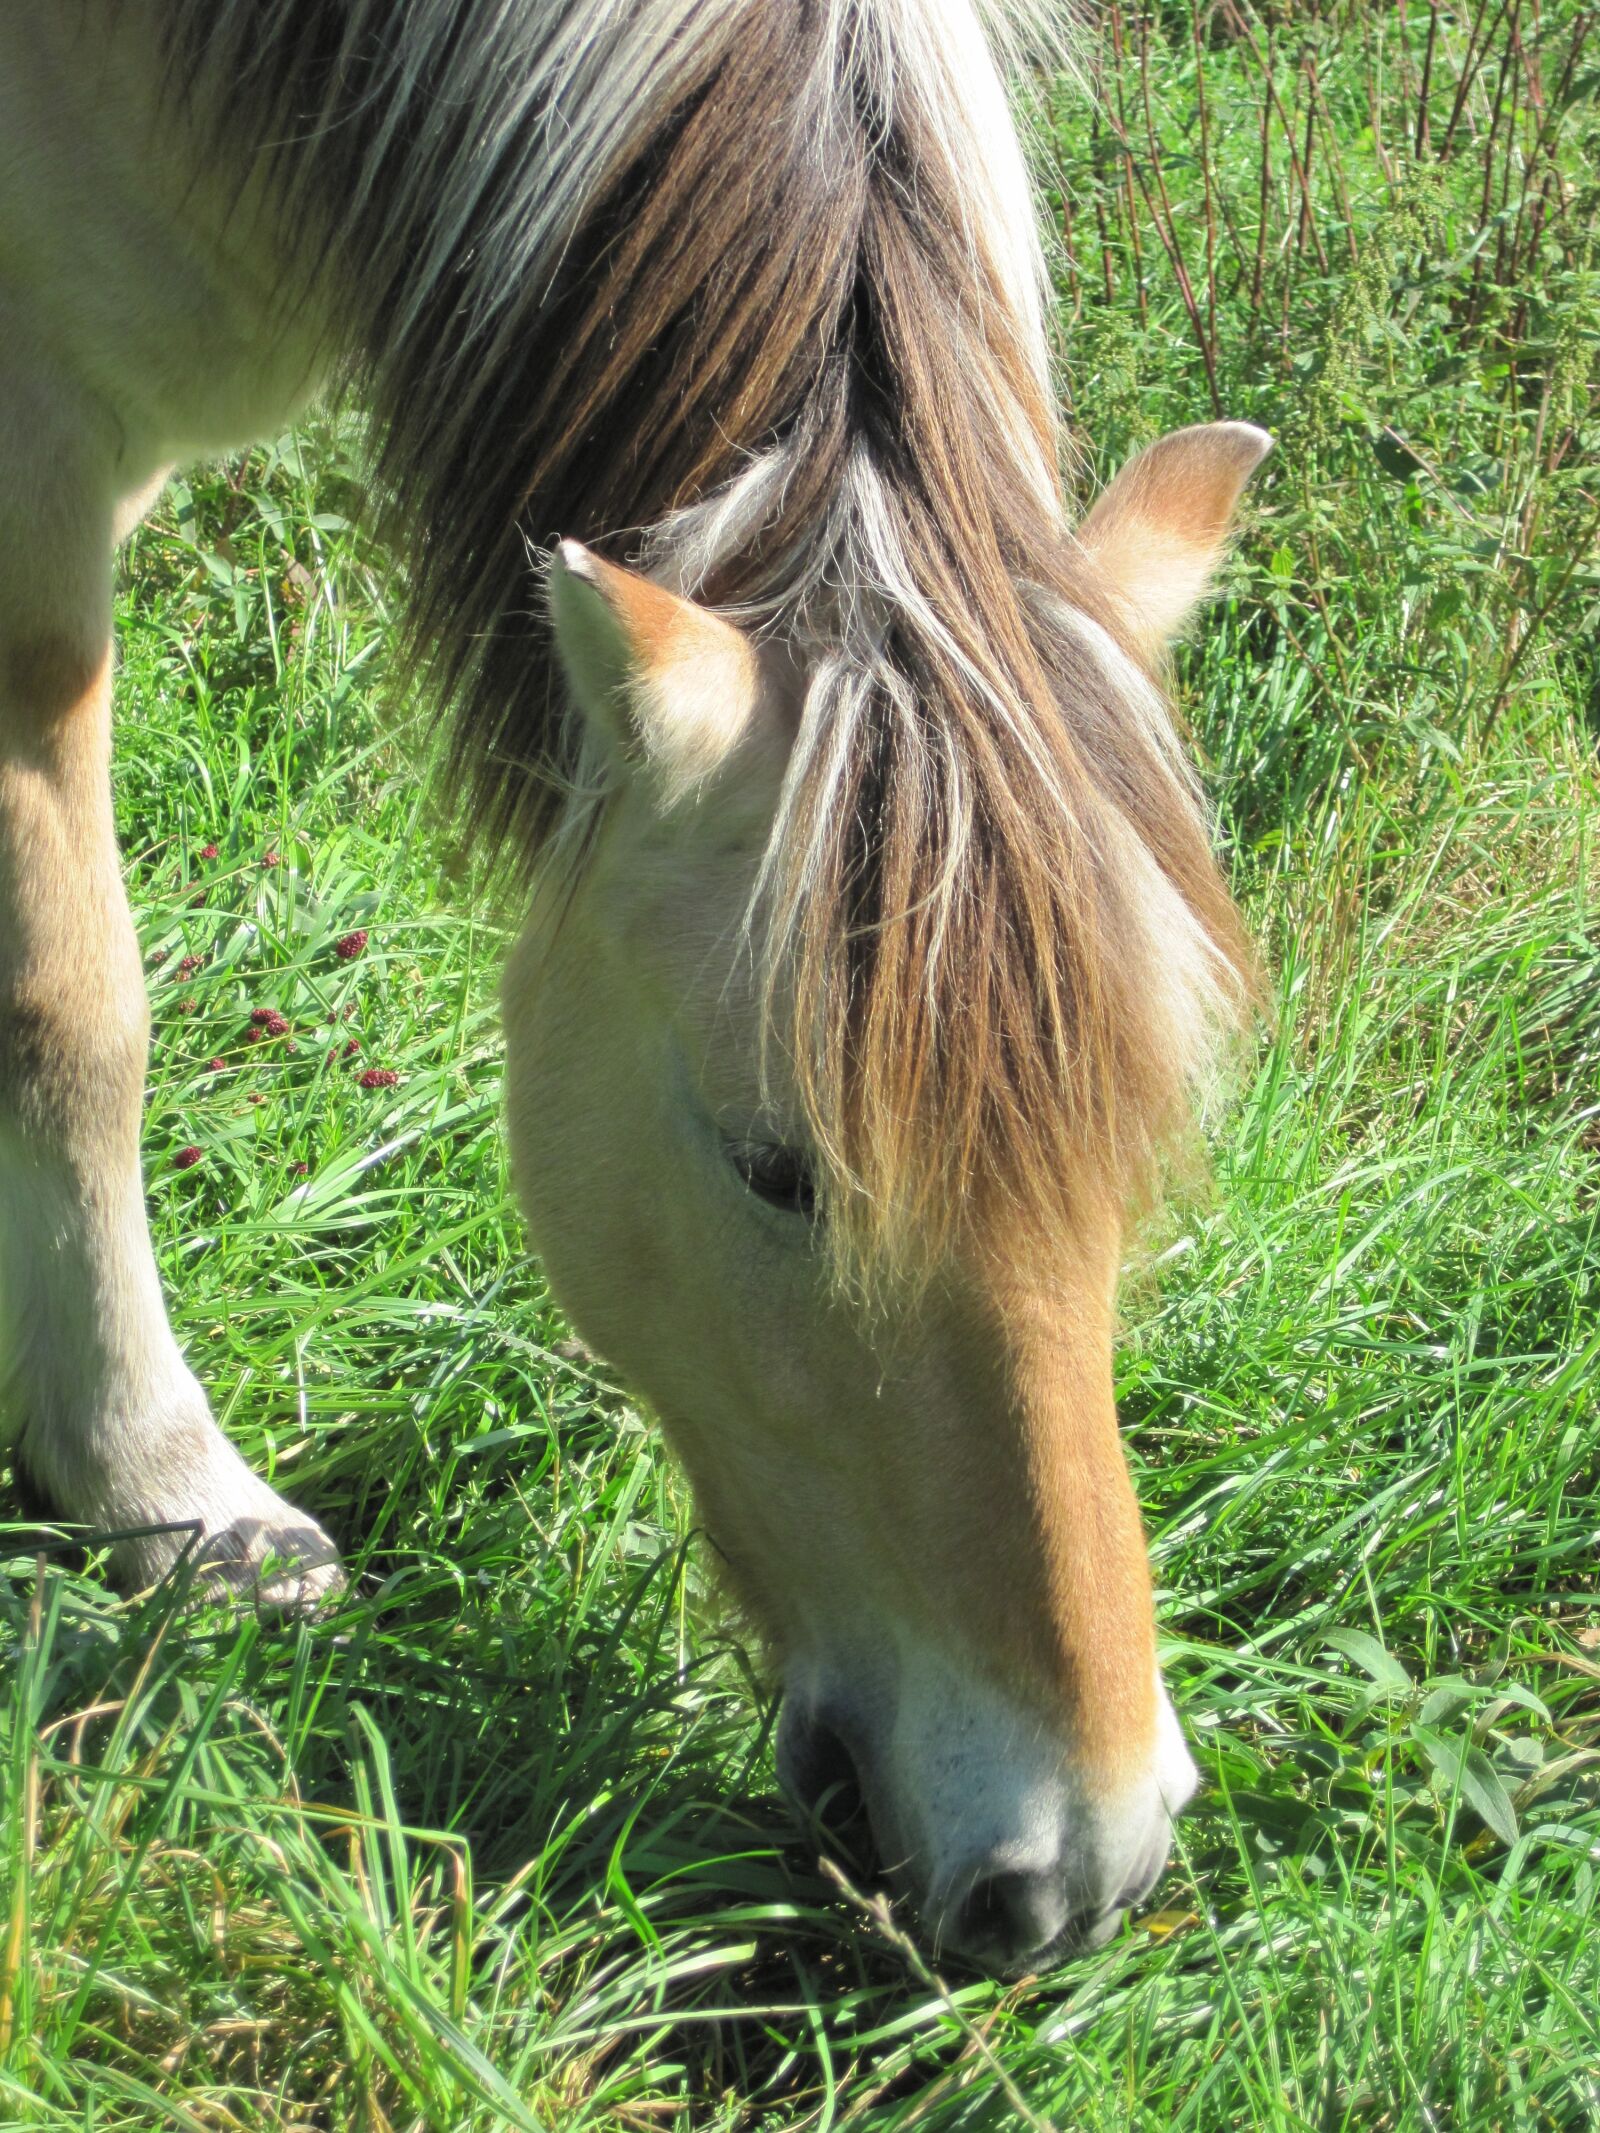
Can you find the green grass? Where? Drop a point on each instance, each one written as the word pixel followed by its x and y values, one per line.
pixel 497 1844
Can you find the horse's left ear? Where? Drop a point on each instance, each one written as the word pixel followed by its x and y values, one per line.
pixel 1158 532
pixel 665 681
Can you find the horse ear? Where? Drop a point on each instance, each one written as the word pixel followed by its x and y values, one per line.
pixel 1158 532
pixel 664 681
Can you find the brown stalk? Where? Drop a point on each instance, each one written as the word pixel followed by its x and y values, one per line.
pixel 1426 90
pixel 1266 182
pixel 1309 70
pixel 1541 615
pixel 1288 131
pixel 1469 68
pixel 1120 127
pixel 1166 230
pixel 1108 278
pixel 1334 160
pixel 1205 171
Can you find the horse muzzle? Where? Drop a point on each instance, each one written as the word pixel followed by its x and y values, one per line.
pixel 1011 1854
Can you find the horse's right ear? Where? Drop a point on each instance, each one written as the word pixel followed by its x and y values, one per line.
pixel 1158 531
pixel 668 684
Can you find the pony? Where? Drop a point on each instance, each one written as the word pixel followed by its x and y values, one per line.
pixel 876 949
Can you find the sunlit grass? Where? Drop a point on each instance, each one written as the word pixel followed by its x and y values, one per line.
pixel 497 1844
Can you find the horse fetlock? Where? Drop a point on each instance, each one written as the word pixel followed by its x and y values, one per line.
pixel 213 1515
pixel 150 1473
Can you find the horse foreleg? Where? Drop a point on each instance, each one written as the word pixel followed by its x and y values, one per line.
pixel 102 1415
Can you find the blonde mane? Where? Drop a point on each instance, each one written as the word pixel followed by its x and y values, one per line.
pixel 751 290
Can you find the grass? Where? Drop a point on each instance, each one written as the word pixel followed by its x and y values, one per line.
pixel 497 1844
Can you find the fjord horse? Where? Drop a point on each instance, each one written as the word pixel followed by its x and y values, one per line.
pixel 876 944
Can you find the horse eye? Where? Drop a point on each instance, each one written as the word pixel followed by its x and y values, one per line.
pixel 780 1176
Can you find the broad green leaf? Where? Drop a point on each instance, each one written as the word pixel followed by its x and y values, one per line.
pixel 1468 1773
pixel 1370 1656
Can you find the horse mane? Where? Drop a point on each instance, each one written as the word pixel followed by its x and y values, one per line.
pixel 750 290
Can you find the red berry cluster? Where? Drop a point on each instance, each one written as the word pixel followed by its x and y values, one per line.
pixel 270 1022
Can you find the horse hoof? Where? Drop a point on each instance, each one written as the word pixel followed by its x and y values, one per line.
pixel 285 1567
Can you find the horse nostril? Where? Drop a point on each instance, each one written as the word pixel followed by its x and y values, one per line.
pixel 1011 1916
pixel 817 1770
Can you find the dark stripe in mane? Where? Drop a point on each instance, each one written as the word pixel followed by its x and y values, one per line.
pixel 608 270
pixel 678 326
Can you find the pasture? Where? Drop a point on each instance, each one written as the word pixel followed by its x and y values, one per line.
pixel 496 1843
